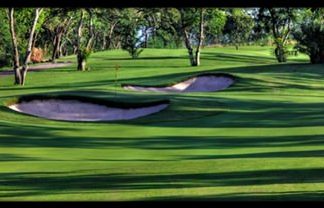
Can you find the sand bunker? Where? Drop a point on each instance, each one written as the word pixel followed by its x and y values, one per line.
pixel 74 110
pixel 201 83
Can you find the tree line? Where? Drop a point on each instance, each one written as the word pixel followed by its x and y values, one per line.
pixel 81 31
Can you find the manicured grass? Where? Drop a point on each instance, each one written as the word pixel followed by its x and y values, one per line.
pixel 261 139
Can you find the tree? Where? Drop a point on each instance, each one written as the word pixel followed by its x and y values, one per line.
pixel 130 25
pixel 84 38
pixel 238 26
pixel 279 21
pixel 5 41
pixel 104 26
pixel 58 23
pixel 192 24
pixel 162 29
pixel 21 71
pixel 189 18
pixel 310 35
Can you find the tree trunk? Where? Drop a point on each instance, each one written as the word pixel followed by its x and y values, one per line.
pixel 35 39
pixel 59 43
pixel 29 47
pixel 280 54
pixel 60 50
pixel 189 48
pixel 194 57
pixel 79 55
pixel 23 74
pixel 116 44
pixel 60 31
pixel 75 49
pixel 112 27
pixel 279 51
pixel 322 56
pixel 15 46
pixel 63 48
pixel 187 40
pixel 200 38
pixel 56 46
pixel 17 76
pixel 82 64
pixel 91 30
pixel 80 29
pixel 104 42
pixel 317 57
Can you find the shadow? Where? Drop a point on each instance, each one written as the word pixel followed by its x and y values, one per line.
pixel 63 137
pixel 146 58
pixel 248 113
pixel 242 58
pixel 295 196
pixel 42 68
pixel 261 113
pixel 199 110
pixel 108 82
pixel 287 154
pixel 213 111
pixel 281 76
pixel 15 157
pixel 44 183
pixel 237 58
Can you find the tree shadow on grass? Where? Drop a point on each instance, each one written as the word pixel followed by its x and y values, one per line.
pixel 251 196
pixel 146 58
pixel 275 154
pixel 16 157
pixel 216 56
pixel 51 137
pixel 110 81
pixel 42 183
pixel 234 113
pixel 250 113
pixel 212 112
pixel 313 72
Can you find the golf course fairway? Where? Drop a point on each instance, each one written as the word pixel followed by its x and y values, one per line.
pixel 262 138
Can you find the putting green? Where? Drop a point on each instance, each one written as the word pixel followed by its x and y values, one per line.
pixel 260 139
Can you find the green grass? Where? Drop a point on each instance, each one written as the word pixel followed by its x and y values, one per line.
pixel 261 139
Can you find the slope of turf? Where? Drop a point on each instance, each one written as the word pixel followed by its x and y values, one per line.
pixel 261 139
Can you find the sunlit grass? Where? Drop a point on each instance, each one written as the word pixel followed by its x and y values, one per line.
pixel 263 138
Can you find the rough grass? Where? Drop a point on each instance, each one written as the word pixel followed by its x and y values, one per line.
pixel 261 139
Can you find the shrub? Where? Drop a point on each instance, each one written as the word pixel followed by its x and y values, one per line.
pixel 37 55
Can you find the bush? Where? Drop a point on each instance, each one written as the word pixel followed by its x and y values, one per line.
pixel 37 55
